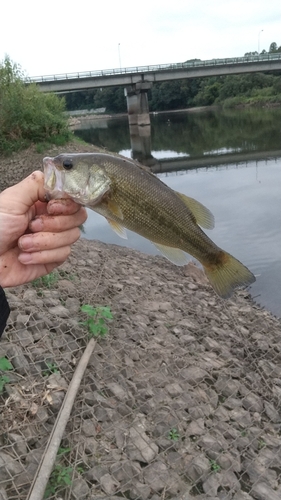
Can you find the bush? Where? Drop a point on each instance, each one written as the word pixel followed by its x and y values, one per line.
pixel 26 114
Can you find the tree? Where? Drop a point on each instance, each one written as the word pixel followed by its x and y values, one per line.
pixel 273 47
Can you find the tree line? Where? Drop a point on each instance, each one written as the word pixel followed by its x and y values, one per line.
pixel 230 90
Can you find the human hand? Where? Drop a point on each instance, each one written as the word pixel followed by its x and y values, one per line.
pixel 35 235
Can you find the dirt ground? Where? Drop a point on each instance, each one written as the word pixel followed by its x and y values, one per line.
pixel 180 400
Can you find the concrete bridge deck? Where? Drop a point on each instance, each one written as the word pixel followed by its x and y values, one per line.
pixel 70 82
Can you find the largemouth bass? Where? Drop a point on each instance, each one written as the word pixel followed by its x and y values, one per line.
pixel 131 197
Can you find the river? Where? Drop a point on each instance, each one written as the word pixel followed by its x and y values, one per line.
pixel 228 160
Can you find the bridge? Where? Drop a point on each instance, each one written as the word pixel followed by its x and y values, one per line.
pixel 138 80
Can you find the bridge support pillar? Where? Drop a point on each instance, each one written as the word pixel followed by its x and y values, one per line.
pixel 139 122
pixel 137 103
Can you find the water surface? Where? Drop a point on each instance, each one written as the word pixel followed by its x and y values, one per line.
pixel 245 196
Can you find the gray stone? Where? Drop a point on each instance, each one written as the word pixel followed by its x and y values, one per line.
pixel 262 491
pixel 109 484
pixel 89 427
pixel 140 447
pixel 79 489
pixel 174 390
pixel 197 468
pixel 125 471
pixel 25 478
pixel 9 467
pixel 156 476
pixel 196 428
pixel 139 491
pixel 193 375
pixel 227 386
pixel 19 444
pixel 253 403
pixel 272 413
pixel 18 360
pixel 95 474
pixel 117 391
pixel 211 485
pixel 241 416
pixel 60 311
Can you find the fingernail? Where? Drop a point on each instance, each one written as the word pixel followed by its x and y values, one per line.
pixel 36 225
pixel 25 242
pixel 25 258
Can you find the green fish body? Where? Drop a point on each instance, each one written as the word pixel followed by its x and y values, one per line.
pixel 131 197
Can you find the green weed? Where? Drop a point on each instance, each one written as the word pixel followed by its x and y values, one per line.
pixel 174 434
pixel 46 281
pixel 5 365
pixel 60 477
pixel 96 321
pixel 214 466
pixel 51 368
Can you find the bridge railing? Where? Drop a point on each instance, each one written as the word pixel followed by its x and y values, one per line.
pixel 157 67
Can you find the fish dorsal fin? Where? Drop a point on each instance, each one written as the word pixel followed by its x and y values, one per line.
pixel 117 228
pixel 175 255
pixel 203 216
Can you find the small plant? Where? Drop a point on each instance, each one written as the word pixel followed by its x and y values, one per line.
pixel 214 466
pixel 51 368
pixel 60 477
pixel 96 321
pixel 174 434
pixel 46 281
pixel 261 444
pixel 5 365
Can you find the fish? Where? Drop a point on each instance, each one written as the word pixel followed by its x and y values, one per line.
pixel 131 197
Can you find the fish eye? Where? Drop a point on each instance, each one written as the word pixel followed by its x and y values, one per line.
pixel 67 164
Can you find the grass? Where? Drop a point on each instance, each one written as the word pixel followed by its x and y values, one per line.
pixel 96 321
pixel 5 365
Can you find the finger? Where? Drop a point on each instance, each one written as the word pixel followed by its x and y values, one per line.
pixel 58 223
pixel 38 242
pixel 46 257
pixel 64 206
pixel 18 199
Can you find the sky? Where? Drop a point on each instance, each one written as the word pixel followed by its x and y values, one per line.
pixel 60 36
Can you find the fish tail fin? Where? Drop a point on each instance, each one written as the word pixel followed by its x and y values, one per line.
pixel 227 275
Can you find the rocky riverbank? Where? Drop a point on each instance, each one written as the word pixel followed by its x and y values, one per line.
pixel 181 399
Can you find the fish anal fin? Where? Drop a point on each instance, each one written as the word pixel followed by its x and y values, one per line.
pixel 117 228
pixel 203 216
pixel 175 255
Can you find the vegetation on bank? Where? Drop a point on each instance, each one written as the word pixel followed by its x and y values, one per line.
pixel 227 91
pixel 29 116
pixel 26 114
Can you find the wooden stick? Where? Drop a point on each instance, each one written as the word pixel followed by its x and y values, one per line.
pixel 45 467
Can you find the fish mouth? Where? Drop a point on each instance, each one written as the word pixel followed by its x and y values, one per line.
pixel 53 179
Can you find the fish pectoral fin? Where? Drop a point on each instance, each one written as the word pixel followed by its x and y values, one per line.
pixel 175 255
pixel 117 228
pixel 115 209
pixel 203 216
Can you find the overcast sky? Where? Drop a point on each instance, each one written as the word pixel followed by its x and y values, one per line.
pixel 59 36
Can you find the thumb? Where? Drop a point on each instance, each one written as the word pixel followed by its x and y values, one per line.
pixel 18 199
